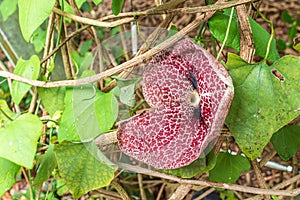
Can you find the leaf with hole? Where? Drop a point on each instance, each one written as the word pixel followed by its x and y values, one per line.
pixel 266 98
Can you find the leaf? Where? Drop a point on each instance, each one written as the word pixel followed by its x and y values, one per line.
pixel 83 167
pixel 218 24
pixel 38 39
pixel 52 99
pixel 32 13
pixel 286 17
pixel 88 113
pixel 228 168
pixel 7 8
pixel 286 141
pixel 8 174
pixel 97 2
pixel 127 90
pixel 266 98
pixel 106 108
pixel 199 166
pixel 6 115
pixel 28 69
pixel 47 163
pixel 116 6
pixel 19 140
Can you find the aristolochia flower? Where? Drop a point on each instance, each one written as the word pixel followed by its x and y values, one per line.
pixel 190 94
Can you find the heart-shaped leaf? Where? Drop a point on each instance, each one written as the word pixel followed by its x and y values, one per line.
pixel 266 98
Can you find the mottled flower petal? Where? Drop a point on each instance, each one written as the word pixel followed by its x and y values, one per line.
pixel 176 131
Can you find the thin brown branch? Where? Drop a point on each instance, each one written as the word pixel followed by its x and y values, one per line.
pixel 163 9
pixel 131 63
pixel 235 187
pixel 247 44
pixel 142 191
pixel 93 22
pixel 69 37
pixel 181 191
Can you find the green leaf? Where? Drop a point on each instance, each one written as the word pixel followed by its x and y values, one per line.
pixel 19 140
pixel 127 90
pixel 6 115
pixel 116 6
pixel 107 109
pixel 83 167
pixel 286 17
pixel 286 141
pixel 97 2
pixel 52 99
pixel 266 98
pixel 28 69
pixel 38 39
pixel 292 32
pixel 7 8
pixel 32 13
pixel 8 174
pixel 79 3
pixel 47 163
pixel 218 25
pixel 199 166
pixel 88 113
pixel 228 168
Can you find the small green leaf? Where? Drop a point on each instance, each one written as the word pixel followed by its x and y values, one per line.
pixel 6 115
pixel 292 32
pixel 286 141
pixel 28 69
pixel 286 17
pixel 266 98
pixel 116 6
pixel 228 168
pixel 19 140
pixel 47 163
pixel 38 39
pixel 281 45
pixel 7 8
pixel 127 90
pixel 199 166
pixel 218 25
pixel 97 2
pixel 83 167
pixel 8 174
pixel 52 99
pixel 32 13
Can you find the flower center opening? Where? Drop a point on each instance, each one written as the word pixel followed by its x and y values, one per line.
pixel 193 99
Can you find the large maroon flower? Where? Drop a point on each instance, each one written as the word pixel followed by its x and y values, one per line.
pixel 190 93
